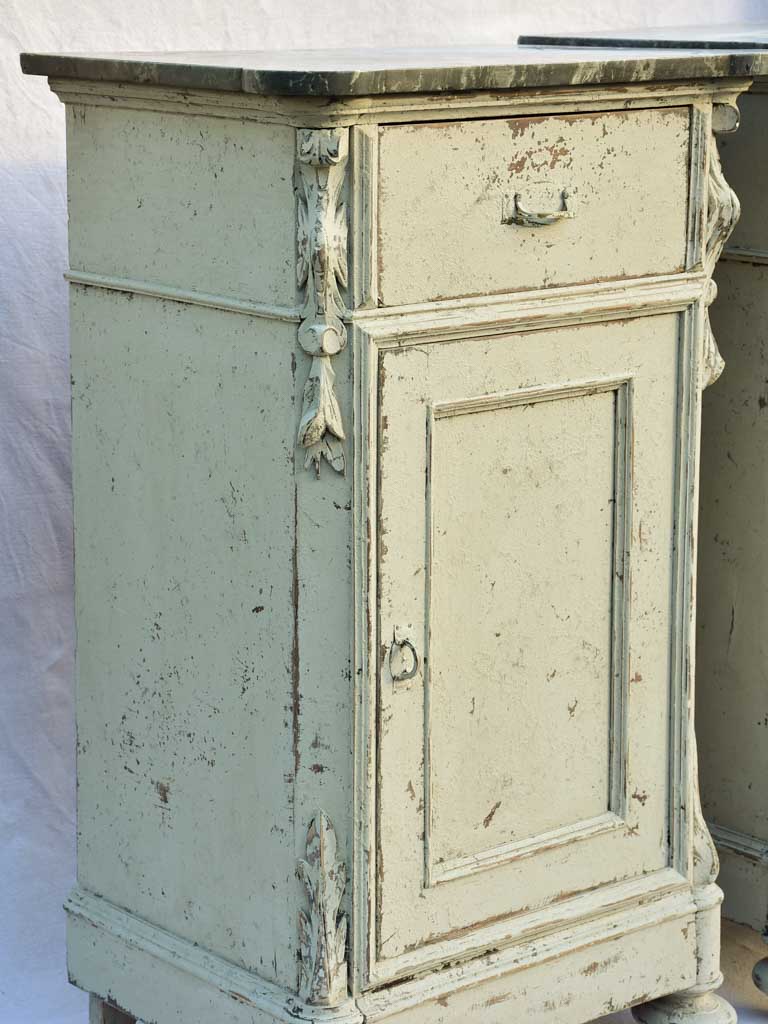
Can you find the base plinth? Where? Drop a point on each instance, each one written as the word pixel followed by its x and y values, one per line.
pixel 686 1009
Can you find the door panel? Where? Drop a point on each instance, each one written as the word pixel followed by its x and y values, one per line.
pixel 524 539
pixel 521 562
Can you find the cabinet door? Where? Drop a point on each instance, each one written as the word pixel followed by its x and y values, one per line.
pixel 525 523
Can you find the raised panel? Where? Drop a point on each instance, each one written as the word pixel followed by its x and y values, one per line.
pixel 525 516
pixel 527 510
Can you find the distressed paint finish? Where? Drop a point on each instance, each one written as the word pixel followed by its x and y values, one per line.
pixel 332 642
pixel 701 1002
pixel 506 743
pixel 732 712
pixel 445 188
pixel 179 414
pixel 218 192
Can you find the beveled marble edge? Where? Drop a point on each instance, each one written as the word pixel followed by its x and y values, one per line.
pixel 340 73
pixel 689 37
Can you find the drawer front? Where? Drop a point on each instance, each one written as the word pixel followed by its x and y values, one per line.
pixel 524 588
pixel 612 187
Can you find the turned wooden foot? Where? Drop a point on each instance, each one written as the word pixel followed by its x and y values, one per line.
pixel 760 975
pixel 100 1012
pixel 686 1008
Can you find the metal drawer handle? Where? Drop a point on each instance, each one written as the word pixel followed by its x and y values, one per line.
pixel 403 659
pixel 516 213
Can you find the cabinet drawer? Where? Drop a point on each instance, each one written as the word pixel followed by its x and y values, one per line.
pixel 446 190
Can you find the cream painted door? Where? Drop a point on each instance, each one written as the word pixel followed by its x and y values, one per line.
pixel 526 504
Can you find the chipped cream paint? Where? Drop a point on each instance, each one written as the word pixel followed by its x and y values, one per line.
pixel 445 187
pixel 236 614
pixel 732 713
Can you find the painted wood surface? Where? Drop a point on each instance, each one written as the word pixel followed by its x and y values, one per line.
pixel 445 186
pixel 732 713
pixel 514 743
pixel 194 202
pixel 298 800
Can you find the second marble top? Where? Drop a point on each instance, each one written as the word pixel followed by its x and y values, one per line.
pixel 739 36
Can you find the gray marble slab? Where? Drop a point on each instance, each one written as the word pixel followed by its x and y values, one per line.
pixel 345 73
pixel 704 37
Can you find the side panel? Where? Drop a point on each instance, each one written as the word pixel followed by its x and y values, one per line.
pixel 184 430
pixel 188 201
pixel 741 153
pixel 732 642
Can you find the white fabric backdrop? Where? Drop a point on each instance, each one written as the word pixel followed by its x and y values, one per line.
pixel 36 635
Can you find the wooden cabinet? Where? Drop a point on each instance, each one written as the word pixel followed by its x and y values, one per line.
pixel 386 401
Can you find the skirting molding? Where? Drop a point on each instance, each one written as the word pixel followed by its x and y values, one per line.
pixel 121 939
pixel 740 254
pixel 743 876
pixel 740 843
pixel 151 972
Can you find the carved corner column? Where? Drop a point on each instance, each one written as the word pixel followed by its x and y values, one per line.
pixel 701 1004
pixel 321 270
pixel 723 212
pixel 323 928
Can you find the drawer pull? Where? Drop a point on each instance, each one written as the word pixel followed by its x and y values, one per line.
pixel 403 659
pixel 516 213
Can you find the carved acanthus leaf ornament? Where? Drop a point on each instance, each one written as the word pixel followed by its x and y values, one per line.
pixel 723 211
pixel 321 271
pixel 323 930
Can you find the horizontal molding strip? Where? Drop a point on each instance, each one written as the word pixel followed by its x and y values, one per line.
pixel 518 939
pixel 740 254
pixel 571 937
pixel 159 291
pixel 529 311
pixel 234 982
pixel 587 302
pixel 741 843
pixel 319 112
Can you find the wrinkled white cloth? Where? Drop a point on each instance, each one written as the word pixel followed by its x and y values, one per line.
pixel 37 828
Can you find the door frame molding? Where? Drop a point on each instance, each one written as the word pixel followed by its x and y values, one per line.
pixel 370 334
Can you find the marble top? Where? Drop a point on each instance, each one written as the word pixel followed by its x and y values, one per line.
pixel 703 37
pixel 345 73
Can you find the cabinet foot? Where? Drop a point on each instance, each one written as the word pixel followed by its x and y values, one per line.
pixel 100 1012
pixel 686 1008
pixel 760 975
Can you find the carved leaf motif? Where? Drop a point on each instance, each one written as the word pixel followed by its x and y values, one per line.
pixel 302 238
pixel 321 428
pixel 323 931
pixel 706 864
pixel 713 363
pixel 723 212
pixel 321 271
